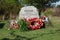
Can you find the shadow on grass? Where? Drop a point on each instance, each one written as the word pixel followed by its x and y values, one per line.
pixel 23 38
pixel 5 39
pixel 18 37
pixel 2 25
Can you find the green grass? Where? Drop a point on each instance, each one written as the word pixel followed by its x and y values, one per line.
pixel 49 33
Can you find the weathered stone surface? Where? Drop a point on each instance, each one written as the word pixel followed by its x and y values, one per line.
pixel 28 12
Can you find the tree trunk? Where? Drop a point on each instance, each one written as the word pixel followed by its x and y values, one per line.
pixel 39 13
pixel 10 16
pixel 3 17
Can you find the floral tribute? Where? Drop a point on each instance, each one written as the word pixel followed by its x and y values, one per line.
pixel 30 23
pixel 35 23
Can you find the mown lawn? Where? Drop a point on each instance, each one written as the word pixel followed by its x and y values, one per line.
pixel 48 33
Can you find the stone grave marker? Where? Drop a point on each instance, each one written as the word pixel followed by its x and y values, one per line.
pixel 28 12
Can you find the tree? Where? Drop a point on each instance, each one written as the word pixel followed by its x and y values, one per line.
pixel 40 4
pixel 9 7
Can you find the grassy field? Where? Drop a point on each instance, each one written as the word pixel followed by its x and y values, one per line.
pixel 48 33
